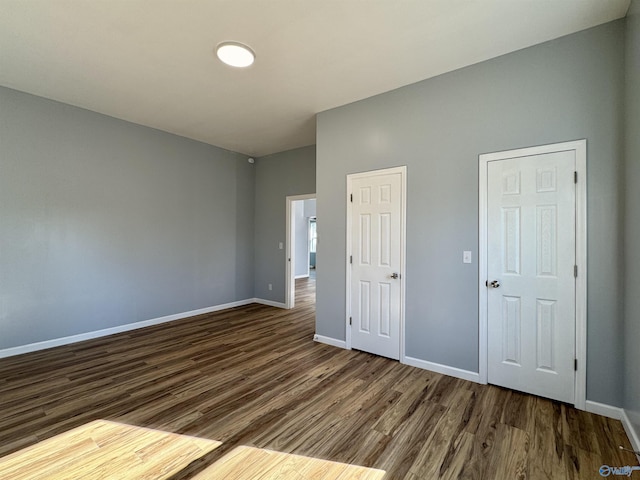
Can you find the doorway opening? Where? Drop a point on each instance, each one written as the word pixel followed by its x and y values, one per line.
pixel 302 240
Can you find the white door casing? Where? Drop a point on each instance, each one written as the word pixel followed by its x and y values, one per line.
pixel 375 263
pixel 532 237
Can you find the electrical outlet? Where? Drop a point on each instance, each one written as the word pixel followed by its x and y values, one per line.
pixel 280 246
pixel 270 287
pixel 466 256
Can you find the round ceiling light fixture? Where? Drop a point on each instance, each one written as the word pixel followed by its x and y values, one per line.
pixel 235 54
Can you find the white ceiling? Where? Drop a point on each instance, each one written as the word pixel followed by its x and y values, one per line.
pixel 152 62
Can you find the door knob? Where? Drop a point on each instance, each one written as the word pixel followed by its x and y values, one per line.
pixel 395 276
pixel 494 284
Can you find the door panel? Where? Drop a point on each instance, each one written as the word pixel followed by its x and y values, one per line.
pixel 531 256
pixel 375 243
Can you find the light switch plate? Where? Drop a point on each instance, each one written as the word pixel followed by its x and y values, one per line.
pixel 280 245
pixel 466 256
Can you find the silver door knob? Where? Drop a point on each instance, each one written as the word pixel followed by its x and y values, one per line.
pixel 395 276
pixel 494 284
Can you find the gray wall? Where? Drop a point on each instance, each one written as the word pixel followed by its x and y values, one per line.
pixel 310 207
pixel 566 89
pixel 105 222
pixel 632 217
pixel 301 228
pixel 277 176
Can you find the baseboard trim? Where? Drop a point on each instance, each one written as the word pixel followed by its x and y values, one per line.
pixel 334 342
pixel 603 409
pixel 443 369
pixel 57 342
pixel 632 433
pixel 270 303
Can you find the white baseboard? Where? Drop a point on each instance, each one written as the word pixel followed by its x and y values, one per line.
pixel 57 342
pixel 270 303
pixel 632 433
pixel 443 369
pixel 334 342
pixel 603 409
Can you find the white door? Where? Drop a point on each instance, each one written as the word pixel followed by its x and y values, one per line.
pixel 531 255
pixel 376 236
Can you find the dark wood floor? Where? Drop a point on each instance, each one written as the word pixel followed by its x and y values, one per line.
pixel 253 376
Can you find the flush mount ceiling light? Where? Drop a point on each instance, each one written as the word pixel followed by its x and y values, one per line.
pixel 235 54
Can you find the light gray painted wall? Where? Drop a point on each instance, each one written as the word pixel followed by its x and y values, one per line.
pixel 566 89
pixel 277 176
pixel 301 227
pixel 632 217
pixel 310 207
pixel 105 223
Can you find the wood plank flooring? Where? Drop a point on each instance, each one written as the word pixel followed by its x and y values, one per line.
pixel 250 462
pixel 103 449
pixel 252 376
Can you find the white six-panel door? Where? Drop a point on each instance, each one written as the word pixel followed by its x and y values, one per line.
pixel 375 245
pixel 531 255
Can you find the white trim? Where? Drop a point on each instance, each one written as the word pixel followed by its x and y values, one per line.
pixel 483 231
pixel 304 275
pixel 580 148
pixel 443 369
pixel 603 409
pixel 57 342
pixel 403 257
pixel 334 342
pixel 580 397
pixel 290 284
pixel 402 170
pixel 269 303
pixel 632 433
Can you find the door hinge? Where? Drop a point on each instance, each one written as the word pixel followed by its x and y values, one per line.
pixel 575 364
pixel 350 258
pixel 350 320
pixel 351 197
pixel 575 177
pixel 575 271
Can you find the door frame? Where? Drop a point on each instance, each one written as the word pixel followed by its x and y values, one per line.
pixel 402 170
pixel 290 282
pixel 580 149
